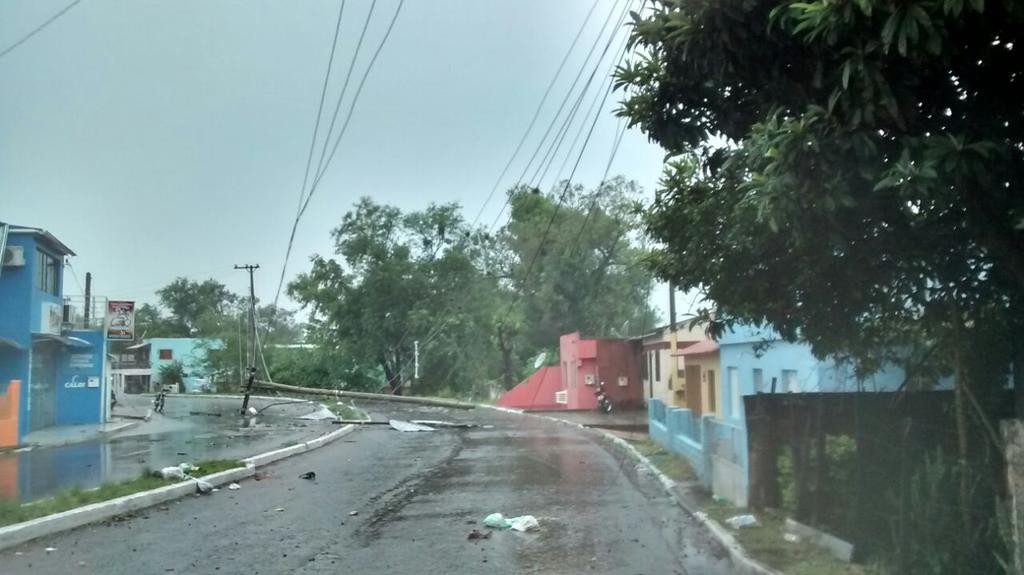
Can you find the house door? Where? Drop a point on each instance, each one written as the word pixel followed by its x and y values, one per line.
pixel 693 396
pixel 42 399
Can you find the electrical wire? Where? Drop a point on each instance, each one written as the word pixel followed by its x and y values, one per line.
pixel 316 180
pixel 39 28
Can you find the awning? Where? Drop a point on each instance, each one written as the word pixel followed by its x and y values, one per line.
pixel 67 341
pixel 138 345
pixel 699 348
pixel 4 342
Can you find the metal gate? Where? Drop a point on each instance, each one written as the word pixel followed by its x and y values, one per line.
pixel 42 398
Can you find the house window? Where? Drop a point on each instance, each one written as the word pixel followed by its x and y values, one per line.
pixel 759 381
pixel 789 381
pixel 46 272
pixel 166 354
pixel 657 365
pixel 734 390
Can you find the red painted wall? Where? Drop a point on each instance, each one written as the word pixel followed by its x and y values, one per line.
pixel 605 360
pixel 536 391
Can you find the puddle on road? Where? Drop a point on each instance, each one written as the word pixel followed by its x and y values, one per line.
pixel 41 472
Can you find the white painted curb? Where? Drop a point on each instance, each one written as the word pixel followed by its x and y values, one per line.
pixel 744 563
pixel 19 533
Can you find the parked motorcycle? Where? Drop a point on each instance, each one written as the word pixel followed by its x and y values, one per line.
pixel 604 403
pixel 158 401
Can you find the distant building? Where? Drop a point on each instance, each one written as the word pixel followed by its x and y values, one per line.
pixel 52 365
pixel 584 364
pixel 136 368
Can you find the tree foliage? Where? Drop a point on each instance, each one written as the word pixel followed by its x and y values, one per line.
pixel 478 304
pixel 866 195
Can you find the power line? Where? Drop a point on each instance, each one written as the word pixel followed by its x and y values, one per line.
pixel 39 28
pixel 341 133
pixel 536 113
pixel 67 264
pixel 568 97
pixel 344 87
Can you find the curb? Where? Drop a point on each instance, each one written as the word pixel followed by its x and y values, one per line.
pixel 744 563
pixel 19 533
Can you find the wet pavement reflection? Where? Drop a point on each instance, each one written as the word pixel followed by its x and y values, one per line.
pixel 190 429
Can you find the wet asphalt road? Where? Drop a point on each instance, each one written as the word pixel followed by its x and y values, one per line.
pixel 418 496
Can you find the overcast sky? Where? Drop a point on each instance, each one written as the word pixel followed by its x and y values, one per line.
pixel 168 138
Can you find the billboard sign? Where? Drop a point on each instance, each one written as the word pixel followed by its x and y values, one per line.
pixel 120 320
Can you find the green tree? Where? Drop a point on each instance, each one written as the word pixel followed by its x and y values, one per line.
pixel 149 322
pixel 173 374
pixel 403 278
pixel 865 193
pixel 187 301
pixel 585 276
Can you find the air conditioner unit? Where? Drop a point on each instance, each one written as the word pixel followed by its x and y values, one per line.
pixel 14 256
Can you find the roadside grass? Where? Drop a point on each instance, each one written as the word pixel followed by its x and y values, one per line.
pixel 12 512
pixel 667 462
pixel 765 543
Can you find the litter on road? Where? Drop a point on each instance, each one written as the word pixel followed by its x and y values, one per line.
pixel 51 549
pixel 521 523
pixel 308 475
pixel 399 425
pixel 203 487
pixel 791 537
pixel 234 487
pixel 320 414
pixel 172 473
pixel 474 535
pixel 353 513
pixel 740 521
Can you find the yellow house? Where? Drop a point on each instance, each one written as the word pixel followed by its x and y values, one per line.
pixel 662 367
pixel 701 377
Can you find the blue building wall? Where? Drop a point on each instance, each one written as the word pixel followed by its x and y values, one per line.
pixel 191 352
pixel 716 448
pixel 80 381
pixel 16 288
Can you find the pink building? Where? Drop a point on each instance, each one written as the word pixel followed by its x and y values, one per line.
pixel 583 363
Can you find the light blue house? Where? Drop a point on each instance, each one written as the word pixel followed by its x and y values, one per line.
pixel 752 360
pixel 190 351
pixel 52 367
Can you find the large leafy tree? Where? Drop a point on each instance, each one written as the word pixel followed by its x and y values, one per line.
pixel 865 191
pixel 402 278
pixel 571 256
pixel 188 301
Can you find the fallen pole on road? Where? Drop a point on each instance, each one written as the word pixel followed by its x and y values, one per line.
pixel 363 395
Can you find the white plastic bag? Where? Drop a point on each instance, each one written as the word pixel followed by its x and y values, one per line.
pixel 524 523
pixel 204 487
pixel 172 473
pixel 740 521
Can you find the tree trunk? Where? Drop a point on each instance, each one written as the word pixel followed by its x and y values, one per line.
pixel 505 344
pixel 960 401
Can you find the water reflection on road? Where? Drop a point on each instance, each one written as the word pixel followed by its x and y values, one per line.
pixel 190 429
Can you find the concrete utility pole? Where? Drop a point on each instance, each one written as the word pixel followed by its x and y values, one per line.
pixel 88 298
pixel 416 361
pixel 251 268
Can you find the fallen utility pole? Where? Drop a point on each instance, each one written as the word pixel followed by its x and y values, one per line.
pixel 363 395
pixel 251 268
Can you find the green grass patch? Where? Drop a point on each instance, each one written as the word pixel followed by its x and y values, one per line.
pixel 765 543
pixel 667 462
pixel 15 512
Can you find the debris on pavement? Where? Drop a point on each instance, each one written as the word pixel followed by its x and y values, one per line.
pixel 311 475
pixel 439 423
pixel 320 414
pixel 234 487
pixel 279 509
pixel 474 535
pixel 187 467
pixel 701 515
pixel 172 473
pixel 521 523
pixel 252 411
pixel 203 487
pixel 353 513
pixel 791 537
pixel 496 520
pixel 740 521
pixel 50 549
pixel 399 425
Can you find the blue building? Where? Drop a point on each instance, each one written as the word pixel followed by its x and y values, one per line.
pixel 59 364
pixel 137 368
pixel 751 360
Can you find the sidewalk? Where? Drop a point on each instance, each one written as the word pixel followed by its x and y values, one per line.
pixel 68 434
